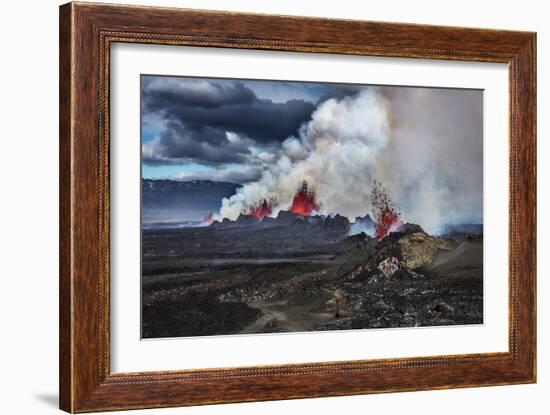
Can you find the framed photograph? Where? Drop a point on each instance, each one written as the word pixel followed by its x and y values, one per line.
pixel 258 207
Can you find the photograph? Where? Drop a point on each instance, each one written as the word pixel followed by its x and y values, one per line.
pixel 273 206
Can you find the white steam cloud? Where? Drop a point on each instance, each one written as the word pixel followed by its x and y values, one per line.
pixel 424 145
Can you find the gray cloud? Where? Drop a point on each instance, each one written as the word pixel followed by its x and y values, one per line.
pixel 162 93
pixel 434 156
pixel 178 144
pixel 197 115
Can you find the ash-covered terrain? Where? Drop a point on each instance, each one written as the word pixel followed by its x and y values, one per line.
pixel 298 272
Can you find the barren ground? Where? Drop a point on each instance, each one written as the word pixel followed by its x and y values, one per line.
pixel 253 279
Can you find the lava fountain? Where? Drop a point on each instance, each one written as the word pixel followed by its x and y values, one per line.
pixel 208 220
pixel 386 214
pixel 304 202
pixel 261 210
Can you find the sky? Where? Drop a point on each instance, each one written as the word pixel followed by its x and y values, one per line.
pixel 221 129
pixel 424 144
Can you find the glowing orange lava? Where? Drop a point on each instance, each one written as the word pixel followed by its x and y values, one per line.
pixel 261 210
pixel 304 202
pixel 208 219
pixel 386 215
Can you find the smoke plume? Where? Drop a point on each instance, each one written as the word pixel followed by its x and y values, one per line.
pixel 424 145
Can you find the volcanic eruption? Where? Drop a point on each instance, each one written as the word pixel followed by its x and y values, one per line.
pixel 261 209
pixel 208 220
pixel 387 217
pixel 304 202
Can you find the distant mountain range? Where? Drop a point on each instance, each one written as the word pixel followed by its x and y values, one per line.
pixel 182 201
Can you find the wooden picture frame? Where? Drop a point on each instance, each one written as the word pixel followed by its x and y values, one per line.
pixel 86 33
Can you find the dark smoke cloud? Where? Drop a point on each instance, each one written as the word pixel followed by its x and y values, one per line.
pixel 162 93
pixel 178 142
pixel 199 114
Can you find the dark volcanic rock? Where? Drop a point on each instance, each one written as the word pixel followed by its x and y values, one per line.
pixel 247 220
pixel 197 315
pixel 398 256
pixel 408 228
pixel 224 222
pixel 338 304
pixel 286 217
pixel 295 273
pixel 358 238
pixel 413 247
pixel 364 220
pixel 269 221
pixel 464 231
pixel 315 220
pixel 242 221
pixel 332 226
pixel 337 224
pixel 363 224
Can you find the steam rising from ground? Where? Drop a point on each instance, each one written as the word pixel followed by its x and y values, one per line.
pixel 424 145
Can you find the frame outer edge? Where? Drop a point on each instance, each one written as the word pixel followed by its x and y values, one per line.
pixel 85 201
pixel 82 388
pixel 66 120
pixel 528 223
pixel 523 115
pixel 534 230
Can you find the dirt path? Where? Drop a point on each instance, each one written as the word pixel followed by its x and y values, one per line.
pixel 281 317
